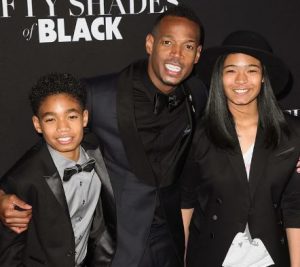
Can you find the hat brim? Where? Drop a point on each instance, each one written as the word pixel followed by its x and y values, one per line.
pixel 278 72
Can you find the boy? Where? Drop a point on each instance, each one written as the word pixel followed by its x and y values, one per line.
pixel 73 213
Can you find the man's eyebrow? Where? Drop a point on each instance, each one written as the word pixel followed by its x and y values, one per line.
pixel 172 37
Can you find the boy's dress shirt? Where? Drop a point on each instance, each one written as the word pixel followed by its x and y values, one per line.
pixel 82 192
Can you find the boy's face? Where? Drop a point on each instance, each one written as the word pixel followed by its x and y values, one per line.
pixel 61 120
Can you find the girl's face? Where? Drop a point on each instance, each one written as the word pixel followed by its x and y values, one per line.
pixel 242 80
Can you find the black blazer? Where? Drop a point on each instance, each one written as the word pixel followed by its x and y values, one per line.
pixel 49 240
pixel 112 119
pixel 225 201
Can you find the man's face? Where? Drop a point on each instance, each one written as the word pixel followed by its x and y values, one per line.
pixel 61 120
pixel 173 50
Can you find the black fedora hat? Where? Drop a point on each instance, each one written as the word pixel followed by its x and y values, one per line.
pixel 250 43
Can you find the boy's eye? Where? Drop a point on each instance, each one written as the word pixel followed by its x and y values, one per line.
pixel 49 119
pixel 73 117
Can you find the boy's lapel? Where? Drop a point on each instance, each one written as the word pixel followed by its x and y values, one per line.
pixel 55 184
pixel 108 206
pixel 100 168
pixel 52 177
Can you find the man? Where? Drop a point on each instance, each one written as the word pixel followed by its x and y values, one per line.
pixel 144 119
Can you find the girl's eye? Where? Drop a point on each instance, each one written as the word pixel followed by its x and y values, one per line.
pixel 229 71
pixel 253 70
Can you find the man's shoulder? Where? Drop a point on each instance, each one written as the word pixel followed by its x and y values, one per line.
pixel 199 92
pixel 196 85
pixel 100 81
pixel 109 80
pixel 90 141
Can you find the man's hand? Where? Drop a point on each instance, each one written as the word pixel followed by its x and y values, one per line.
pixel 14 213
pixel 298 166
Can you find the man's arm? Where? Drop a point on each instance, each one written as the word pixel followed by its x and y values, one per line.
pixel 11 247
pixel 298 166
pixel 293 236
pixel 186 218
pixel 14 213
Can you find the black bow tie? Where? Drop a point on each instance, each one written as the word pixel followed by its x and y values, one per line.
pixel 85 167
pixel 170 101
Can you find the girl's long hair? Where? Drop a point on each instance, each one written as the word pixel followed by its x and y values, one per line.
pixel 219 123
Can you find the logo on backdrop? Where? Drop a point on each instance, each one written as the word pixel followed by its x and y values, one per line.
pixel 93 20
pixel 294 112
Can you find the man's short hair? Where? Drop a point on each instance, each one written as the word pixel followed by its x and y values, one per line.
pixel 183 12
pixel 56 83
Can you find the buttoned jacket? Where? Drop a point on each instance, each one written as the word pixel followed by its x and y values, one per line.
pixel 225 201
pixel 49 240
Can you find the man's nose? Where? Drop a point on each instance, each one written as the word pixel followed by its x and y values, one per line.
pixel 176 51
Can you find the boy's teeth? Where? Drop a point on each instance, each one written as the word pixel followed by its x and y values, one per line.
pixel 173 67
pixel 64 139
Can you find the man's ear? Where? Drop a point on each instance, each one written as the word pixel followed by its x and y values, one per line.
pixel 198 54
pixel 85 117
pixel 36 124
pixel 149 43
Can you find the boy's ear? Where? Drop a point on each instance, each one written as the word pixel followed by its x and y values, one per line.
pixel 36 124
pixel 85 117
